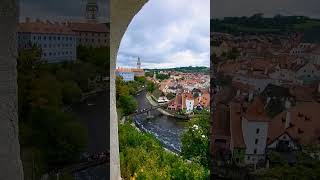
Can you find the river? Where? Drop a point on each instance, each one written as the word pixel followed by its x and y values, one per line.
pixel 167 130
pixel 94 114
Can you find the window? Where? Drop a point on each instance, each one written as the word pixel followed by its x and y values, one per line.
pixel 256 141
pixel 255 151
pixel 258 130
pixel 49 37
pixel 45 37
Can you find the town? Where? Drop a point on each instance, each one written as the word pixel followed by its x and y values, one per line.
pixel 266 98
pixel 183 92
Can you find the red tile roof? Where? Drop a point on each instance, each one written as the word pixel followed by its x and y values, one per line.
pixel 256 111
pixel 236 126
pixel 89 27
pixel 44 27
pixel 305 123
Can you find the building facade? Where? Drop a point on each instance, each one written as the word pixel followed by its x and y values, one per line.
pixel 91 34
pixel 56 41
pixel 126 74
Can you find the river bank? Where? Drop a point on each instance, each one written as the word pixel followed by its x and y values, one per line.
pixel 167 129
pixel 151 100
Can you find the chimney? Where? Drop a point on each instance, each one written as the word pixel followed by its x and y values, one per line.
pixel 238 92
pixel 27 19
pixel 38 20
pixel 288 120
pixel 287 104
pixel 250 96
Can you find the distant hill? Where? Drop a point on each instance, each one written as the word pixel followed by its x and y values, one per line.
pixel 258 24
pixel 189 69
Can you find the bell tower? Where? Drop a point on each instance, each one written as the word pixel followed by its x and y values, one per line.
pixel 139 63
pixel 92 10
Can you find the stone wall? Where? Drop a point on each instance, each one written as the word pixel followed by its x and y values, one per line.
pixel 122 12
pixel 10 163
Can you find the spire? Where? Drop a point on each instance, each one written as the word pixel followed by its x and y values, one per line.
pixel 139 63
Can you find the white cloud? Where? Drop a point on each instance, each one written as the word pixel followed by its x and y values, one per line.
pixel 168 33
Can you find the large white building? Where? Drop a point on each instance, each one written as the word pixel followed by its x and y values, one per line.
pixel 125 73
pixel 56 41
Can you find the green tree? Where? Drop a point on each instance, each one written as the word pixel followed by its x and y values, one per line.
pixel 46 91
pixel 195 141
pixel 71 93
pixel 128 104
pixel 59 136
pixel 140 80
pixel 162 76
pixel 142 157
pixel 151 86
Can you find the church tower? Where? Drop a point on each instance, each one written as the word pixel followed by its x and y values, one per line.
pixel 92 10
pixel 139 63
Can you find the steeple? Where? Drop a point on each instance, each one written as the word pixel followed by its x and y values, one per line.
pixel 92 10
pixel 139 63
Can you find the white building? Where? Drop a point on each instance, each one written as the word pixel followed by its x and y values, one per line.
pixel 255 130
pixel 57 41
pixel 126 74
pixel 189 105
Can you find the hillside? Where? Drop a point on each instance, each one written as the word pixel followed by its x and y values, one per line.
pixel 189 69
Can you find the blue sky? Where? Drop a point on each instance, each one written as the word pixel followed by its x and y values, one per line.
pixel 168 33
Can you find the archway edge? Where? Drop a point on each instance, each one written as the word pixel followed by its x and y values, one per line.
pixel 121 14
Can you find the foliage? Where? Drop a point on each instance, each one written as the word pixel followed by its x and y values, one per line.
pixel 142 157
pixel 128 104
pixel 170 96
pixel 162 76
pixel 151 87
pixel 98 57
pixel 305 168
pixel 148 74
pixel 189 69
pixel 258 24
pixel 71 93
pixel 44 89
pixel 140 80
pixel 195 140
pixel 58 135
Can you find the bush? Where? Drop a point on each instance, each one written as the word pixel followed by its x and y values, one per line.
pixel 142 157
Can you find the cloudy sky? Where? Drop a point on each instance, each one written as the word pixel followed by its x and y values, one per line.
pixel 168 33
pixel 223 8
pixel 60 9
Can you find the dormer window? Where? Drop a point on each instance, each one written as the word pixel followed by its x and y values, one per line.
pixel 300 131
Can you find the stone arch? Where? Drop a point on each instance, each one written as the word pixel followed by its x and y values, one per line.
pixel 121 14
pixel 10 162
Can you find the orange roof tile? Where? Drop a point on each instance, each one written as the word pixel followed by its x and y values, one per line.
pixel 305 122
pixel 256 111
